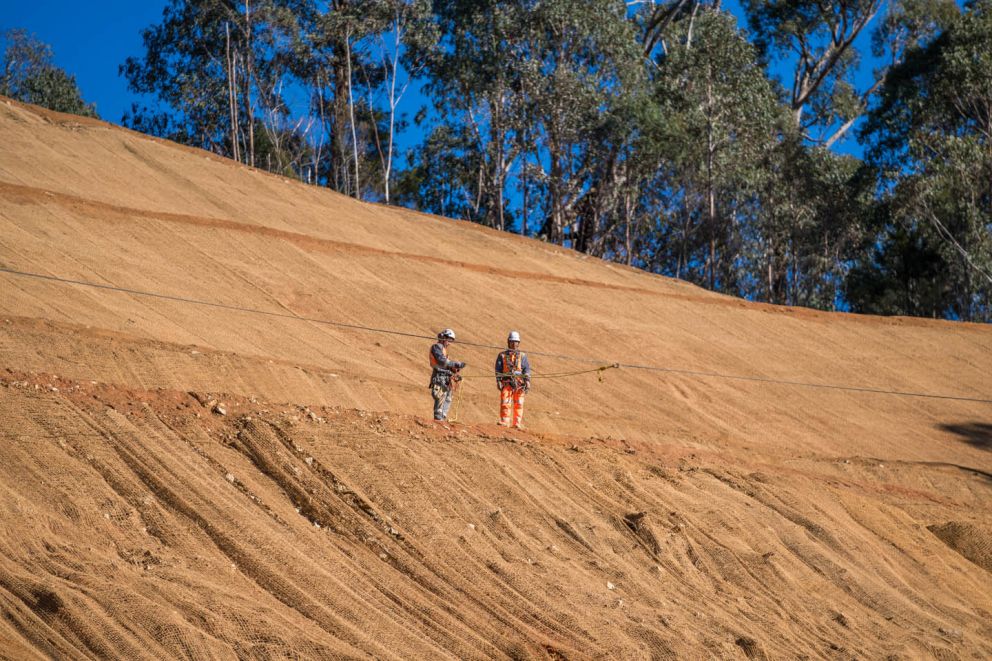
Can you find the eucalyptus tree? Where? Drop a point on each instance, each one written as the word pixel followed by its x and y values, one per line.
pixel 278 84
pixel 207 64
pixel 403 34
pixel 821 41
pixel 531 95
pixel 336 63
pixel 28 73
pixel 581 71
pixel 719 120
pixel 903 273
pixel 442 174
pixel 474 81
pixel 815 222
pixel 931 132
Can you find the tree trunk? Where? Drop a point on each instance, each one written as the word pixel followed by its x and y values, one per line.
pixel 232 93
pixel 556 233
pixel 393 101
pixel 628 213
pixel 318 150
pixel 710 192
pixel 526 209
pixel 351 113
pixel 249 104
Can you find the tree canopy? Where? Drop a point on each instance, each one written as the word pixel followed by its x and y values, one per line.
pixel 28 73
pixel 659 134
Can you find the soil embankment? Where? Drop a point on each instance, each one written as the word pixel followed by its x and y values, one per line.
pixel 241 479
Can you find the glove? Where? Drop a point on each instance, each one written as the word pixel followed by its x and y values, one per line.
pixel 460 366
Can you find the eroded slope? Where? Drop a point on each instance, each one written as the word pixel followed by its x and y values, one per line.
pixel 147 526
pixel 324 516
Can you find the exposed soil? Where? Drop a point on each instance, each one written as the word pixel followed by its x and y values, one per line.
pixel 183 481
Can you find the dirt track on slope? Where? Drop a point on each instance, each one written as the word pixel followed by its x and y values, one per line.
pixel 647 515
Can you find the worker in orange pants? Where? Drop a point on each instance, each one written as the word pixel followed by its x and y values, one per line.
pixel 513 381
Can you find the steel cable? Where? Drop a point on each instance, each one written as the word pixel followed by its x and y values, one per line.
pixel 607 365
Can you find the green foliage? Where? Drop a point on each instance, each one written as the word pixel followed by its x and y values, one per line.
pixel 817 40
pixel 904 274
pixel 300 87
pixel 816 220
pixel 931 131
pixel 440 174
pixel 532 90
pixel 719 121
pixel 29 74
pixel 184 69
pixel 650 135
pixel 474 77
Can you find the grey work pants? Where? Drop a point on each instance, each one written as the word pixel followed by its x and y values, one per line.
pixel 442 401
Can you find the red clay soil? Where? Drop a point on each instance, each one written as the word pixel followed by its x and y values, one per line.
pixel 180 480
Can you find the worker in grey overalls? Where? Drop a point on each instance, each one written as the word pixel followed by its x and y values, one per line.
pixel 444 374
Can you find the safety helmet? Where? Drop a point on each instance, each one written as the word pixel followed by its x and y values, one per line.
pixel 446 334
pixel 514 336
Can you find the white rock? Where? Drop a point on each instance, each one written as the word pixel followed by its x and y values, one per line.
pixel 610 586
pixel 230 478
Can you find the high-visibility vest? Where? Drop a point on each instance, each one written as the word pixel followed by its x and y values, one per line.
pixel 512 371
pixel 434 363
pixel 511 362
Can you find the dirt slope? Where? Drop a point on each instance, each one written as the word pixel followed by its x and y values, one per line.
pixel 648 515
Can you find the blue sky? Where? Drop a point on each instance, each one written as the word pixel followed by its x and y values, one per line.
pixel 91 40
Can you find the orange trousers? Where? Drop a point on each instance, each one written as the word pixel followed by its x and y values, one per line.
pixel 511 404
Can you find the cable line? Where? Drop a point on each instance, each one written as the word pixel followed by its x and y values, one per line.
pixel 805 384
pixel 224 306
pixel 602 367
pixel 541 375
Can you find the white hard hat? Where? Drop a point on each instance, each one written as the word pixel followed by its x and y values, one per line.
pixel 514 336
pixel 446 334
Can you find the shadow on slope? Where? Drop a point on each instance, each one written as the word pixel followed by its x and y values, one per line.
pixel 977 434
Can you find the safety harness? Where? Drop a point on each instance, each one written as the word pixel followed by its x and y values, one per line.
pixel 440 375
pixel 512 372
